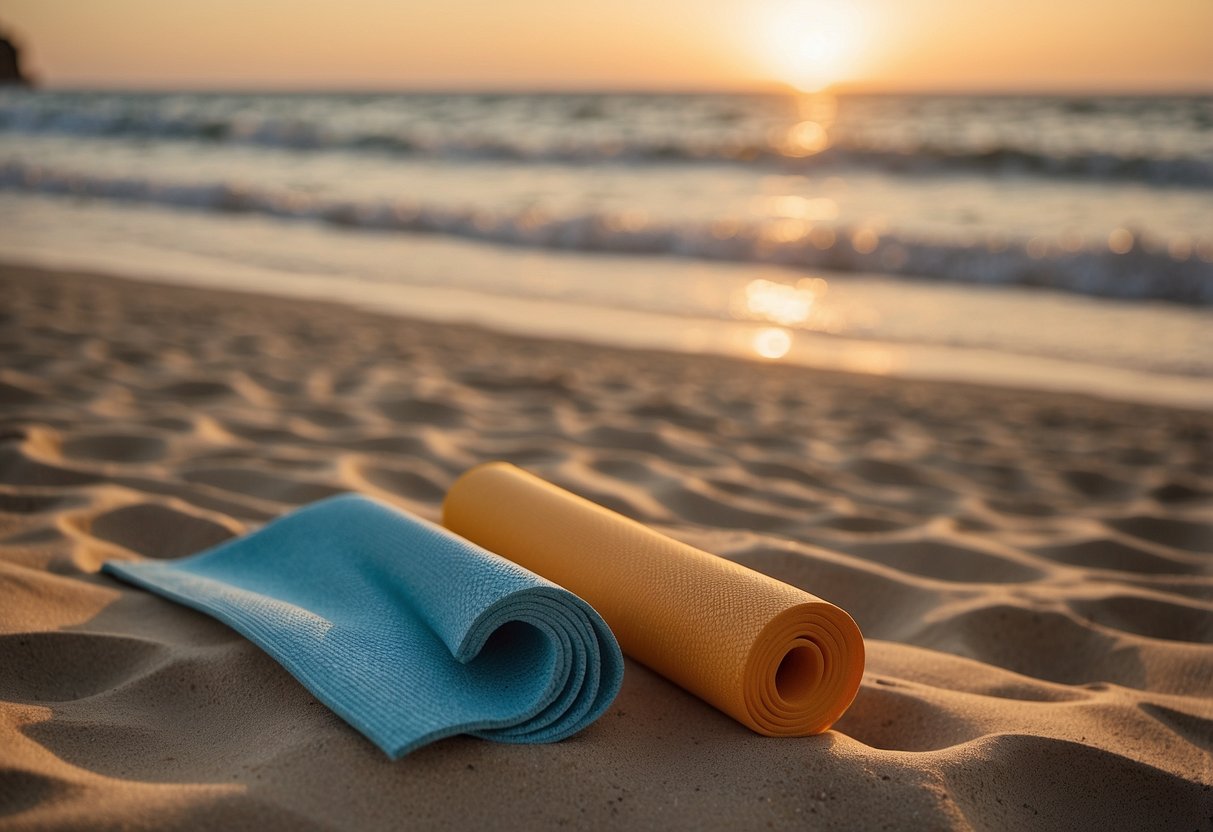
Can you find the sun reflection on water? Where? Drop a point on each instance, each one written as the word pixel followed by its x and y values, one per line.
pixel 791 206
pixel 805 138
pixel 772 342
pixel 785 230
pixel 782 303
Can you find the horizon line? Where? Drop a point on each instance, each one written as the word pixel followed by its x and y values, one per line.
pixel 771 88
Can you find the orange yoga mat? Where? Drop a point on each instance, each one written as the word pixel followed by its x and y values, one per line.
pixel 774 657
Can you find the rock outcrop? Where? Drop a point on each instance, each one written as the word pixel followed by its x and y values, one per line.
pixel 10 63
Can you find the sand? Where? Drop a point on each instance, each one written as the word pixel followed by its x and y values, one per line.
pixel 1031 572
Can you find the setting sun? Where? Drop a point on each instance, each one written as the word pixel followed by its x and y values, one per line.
pixel 812 44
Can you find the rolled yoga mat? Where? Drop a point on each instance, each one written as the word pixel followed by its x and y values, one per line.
pixel 409 632
pixel 775 658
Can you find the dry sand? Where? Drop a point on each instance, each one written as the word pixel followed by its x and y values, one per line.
pixel 1031 571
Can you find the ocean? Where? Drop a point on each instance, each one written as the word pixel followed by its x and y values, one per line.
pixel 1057 242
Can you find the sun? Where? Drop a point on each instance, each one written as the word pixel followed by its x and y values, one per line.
pixel 811 44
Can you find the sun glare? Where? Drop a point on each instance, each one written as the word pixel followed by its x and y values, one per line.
pixel 772 342
pixel 812 44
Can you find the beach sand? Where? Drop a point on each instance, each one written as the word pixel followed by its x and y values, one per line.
pixel 1031 572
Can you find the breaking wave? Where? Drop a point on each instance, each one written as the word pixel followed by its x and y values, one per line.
pixel 1138 267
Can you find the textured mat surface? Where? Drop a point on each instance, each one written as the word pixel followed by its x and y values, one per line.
pixel 772 656
pixel 406 630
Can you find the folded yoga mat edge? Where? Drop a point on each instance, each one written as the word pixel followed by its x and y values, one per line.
pixel 355 599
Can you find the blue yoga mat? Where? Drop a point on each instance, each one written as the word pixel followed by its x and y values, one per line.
pixel 406 630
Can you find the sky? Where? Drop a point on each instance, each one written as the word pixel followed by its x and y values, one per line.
pixel 894 45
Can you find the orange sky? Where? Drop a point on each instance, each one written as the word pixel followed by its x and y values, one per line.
pixel 1028 45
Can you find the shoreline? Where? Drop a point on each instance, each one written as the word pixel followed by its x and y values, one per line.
pixel 733 341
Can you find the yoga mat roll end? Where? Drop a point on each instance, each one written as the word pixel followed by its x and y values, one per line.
pixel 779 660
pixel 803 672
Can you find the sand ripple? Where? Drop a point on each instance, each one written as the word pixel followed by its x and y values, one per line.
pixel 1032 572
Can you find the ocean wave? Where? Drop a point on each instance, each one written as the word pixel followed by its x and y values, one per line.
pixel 775 151
pixel 1126 266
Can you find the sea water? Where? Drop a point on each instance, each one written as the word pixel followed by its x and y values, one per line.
pixel 1045 241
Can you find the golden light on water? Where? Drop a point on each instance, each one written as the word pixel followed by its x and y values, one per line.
pixel 772 342
pixel 805 139
pixel 786 230
pixel 799 306
pixel 790 206
pixel 782 303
